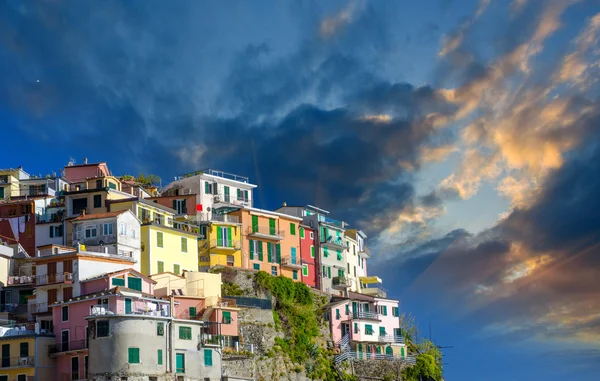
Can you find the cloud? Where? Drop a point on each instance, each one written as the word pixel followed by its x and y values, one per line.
pixel 331 25
pixel 454 40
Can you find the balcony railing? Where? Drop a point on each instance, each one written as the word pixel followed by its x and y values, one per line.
pixel 73 345
pixel 18 330
pixel 54 278
pixel 340 282
pixel 377 292
pixel 38 308
pixel 365 252
pixel 291 262
pixel 17 362
pixel 224 218
pixel 266 232
pixel 137 308
pixel 353 356
pixel 335 242
pixel 224 175
pixel 365 315
pixel 392 339
pixel 225 244
pixel 21 280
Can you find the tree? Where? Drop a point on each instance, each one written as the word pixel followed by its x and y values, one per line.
pixel 426 368
pixel 147 181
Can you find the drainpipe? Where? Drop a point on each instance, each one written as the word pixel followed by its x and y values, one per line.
pixel 170 340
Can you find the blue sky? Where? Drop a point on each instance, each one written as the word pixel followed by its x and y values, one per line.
pixel 462 136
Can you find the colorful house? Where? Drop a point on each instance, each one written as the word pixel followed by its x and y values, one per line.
pixel 271 242
pixel 17 223
pixel 222 243
pixel 356 255
pixel 18 281
pixel 9 182
pixel 365 327
pixel 308 253
pixel 167 245
pixel 122 292
pixel 24 355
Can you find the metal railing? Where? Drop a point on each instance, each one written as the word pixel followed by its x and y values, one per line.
pixel 340 281
pixel 392 339
pixel 22 279
pixel 17 329
pixel 224 218
pixel 352 356
pixel 66 346
pixel 331 221
pixel 17 362
pixel 291 262
pixel 136 309
pixel 374 291
pixel 265 230
pixel 365 315
pixel 54 278
pixel 38 308
pixel 224 175
pixel 225 243
pixel 330 240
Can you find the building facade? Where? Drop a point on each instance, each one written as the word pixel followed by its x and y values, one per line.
pixel 308 250
pixel 223 243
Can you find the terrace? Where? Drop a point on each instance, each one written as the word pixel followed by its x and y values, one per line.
pixel 266 232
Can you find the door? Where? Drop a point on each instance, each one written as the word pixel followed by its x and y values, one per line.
pixel 345 329
pixel 389 351
pixel 127 305
pixel 354 308
pixel 180 362
pixel 360 356
pixel 64 339
pixel 1 192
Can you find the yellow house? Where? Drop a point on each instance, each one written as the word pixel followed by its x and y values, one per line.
pixel 20 344
pixel 220 243
pixel 167 245
pixel 191 283
pixel 9 182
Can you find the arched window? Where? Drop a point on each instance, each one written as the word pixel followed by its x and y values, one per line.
pixel 389 351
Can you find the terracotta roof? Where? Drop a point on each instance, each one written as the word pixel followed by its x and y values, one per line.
pixel 100 215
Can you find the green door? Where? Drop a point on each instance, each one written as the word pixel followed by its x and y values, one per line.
pixel 271 226
pixel 389 351
pixel 359 350
pixel 226 193
pixel 180 362
pixel 354 308
pixel 402 352
pixel 127 305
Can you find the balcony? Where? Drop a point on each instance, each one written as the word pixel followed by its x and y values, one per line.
pixel 137 308
pixel 365 315
pixel 364 252
pixel 332 222
pixel 292 263
pixel 42 280
pixel 24 280
pixel 17 309
pixel 183 226
pixel 335 243
pixel 229 199
pixel 39 308
pixel 225 244
pixel 341 282
pixel 10 330
pixel 265 232
pixel 353 356
pixel 68 346
pixel 376 292
pixel 224 218
pixel 391 339
pixel 17 362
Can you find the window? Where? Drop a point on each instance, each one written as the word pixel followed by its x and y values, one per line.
pixel 395 311
pixel 75 368
pixel 133 355
pixel 397 332
pixel 97 201
pixel 85 367
pixel 292 228
pixel 339 255
pixel 112 185
pixel 161 266
pixel 382 331
pixel 337 314
pixel 180 206
pixel 208 360
pixel 304 270
pixel 176 269
pixel 204 258
pixel 90 232
pixel 108 229
pixel 185 333
pixel 272 228
pixel 65 313
pixel 159 239
pixel 207 187
pixel 122 229
pixel 160 328
pixel 382 310
pixel 67 293
pixel 159 357
pixel 102 328
pixel 180 363
pixel 192 311
pixel 312 235
pixel 184 244
pixel 24 349
pixel 118 282
pixel 226 194
pixel 256 266
pixel 295 274
pixel 355 327
pixel 274 270
pixel 312 251
pixel 56 231
pixel 301 232
pixel 52 295
pixel 347 309
pixel 226 317
pixel 134 283
pixel 230 260
pixel 368 329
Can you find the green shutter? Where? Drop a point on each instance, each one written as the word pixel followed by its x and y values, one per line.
pixel 256 266
pixel 133 355
pixel 295 274
pixel 251 250
pixel 246 195
pixel 260 251
pixel 184 244
pixel 292 228
pixel 312 251
pixel 192 311
pixel 118 282
pixel 219 236
pixel 305 270
pixel 206 188
pixel 325 252
pixel 269 252
pixel 254 224
pixel 160 328
pixel 159 355
pixel 128 306
pixel 355 327
pixel 185 333
pixel 176 269
pixel 381 331
pixel 272 226
pixel 278 248
pixel 323 237
pixel 161 267
pixel 339 255
pixel 135 283
pixel 208 361
pixel 301 232
pixel 226 317
pixel 347 309
pixel 329 272
pixel 159 239
pixel 229 239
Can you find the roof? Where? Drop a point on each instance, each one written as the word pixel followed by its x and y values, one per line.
pixel 271 212
pixel 334 304
pixel 86 165
pixel 166 273
pixel 98 216
pixel 143 201
pixel 129 270
pixel 111 291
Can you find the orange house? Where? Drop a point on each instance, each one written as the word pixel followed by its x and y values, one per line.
pixel 270 242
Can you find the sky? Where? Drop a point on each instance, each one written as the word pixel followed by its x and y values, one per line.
pixel 461 136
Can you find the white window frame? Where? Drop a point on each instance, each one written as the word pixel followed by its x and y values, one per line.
pixel 91 229
pixel 312 235
pixel 107 229
pixel 122 229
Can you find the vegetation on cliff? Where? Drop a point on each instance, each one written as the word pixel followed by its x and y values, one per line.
pixel 429 358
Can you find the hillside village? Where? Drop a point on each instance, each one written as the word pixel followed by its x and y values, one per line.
pixel 116 278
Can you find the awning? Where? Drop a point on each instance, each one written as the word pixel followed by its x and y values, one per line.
pixel 370 280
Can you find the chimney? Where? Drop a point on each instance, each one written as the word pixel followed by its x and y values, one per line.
pixel 284 203
pixel 85 160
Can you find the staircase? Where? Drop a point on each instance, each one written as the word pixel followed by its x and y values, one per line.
pixel 344 347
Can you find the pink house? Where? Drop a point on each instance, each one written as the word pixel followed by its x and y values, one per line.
pixel 365 326
pixel 307 253
pixel 80 172
pixel 121 292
